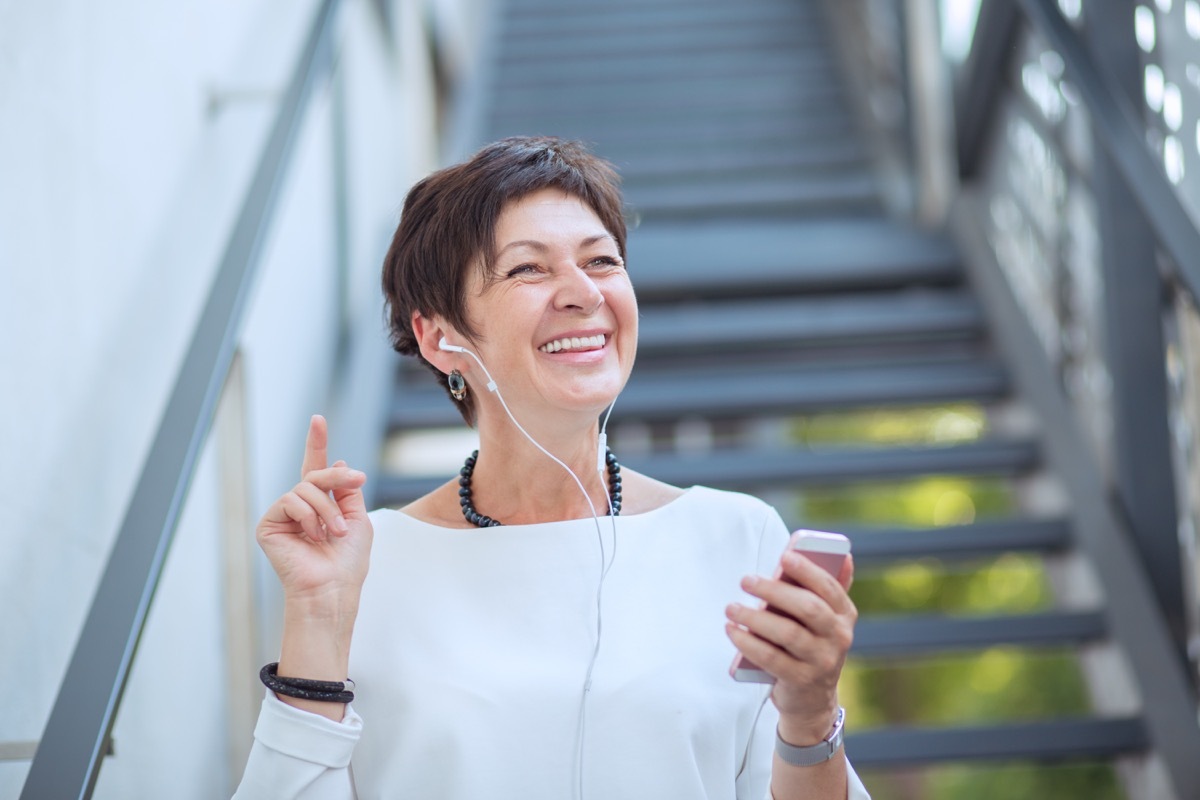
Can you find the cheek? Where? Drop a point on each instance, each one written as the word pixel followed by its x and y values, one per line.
pixel 629 318
pixel 624 303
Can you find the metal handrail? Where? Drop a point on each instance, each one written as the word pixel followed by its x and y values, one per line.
pixel 76 736
pixel 1115 120
pixel 1140 433
pixel 1109 529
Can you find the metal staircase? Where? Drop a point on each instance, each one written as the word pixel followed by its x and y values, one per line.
pixel 773 283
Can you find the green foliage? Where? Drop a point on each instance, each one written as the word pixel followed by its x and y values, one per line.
pixel 1000 684
pixel 1012 584
pixel 932 501
pixel 997 782
pixel 931 425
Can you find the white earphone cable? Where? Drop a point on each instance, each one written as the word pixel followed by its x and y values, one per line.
pixel 605 562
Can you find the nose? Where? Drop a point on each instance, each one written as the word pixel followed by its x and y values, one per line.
pixel 577 291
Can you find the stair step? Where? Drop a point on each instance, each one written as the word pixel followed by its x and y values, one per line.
pixel 765 389
pixel 852 190
pixel 658 24
pixel 610 137
pixel 959 542
pixel 753 388
pixel 665 120
pixel 758 468
pixel 756 145
pixel 727 259
pixel 646 166
pixel 549 19
pixel 859 318
pixel 772 467
pixel 746 41
pixel 891 636
pixel 574 80
pixel 1052 740
pixel 808 166
pixel 643 99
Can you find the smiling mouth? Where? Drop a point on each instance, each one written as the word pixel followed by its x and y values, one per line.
pixel 574 343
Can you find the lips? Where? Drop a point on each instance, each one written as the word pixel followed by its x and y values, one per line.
pixel 574 343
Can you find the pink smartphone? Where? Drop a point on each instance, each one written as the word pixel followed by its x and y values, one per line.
pixel 828 551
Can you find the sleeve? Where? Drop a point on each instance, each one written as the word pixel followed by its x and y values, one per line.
pixel 298 756
pixel 754 777
pixel 854 784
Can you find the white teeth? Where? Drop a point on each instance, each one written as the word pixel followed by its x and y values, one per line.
pixel 573 343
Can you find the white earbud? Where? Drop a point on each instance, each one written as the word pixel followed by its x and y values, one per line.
pixel 491 384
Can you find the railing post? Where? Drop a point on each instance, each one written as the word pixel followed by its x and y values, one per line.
pixel 981 81
pixel 1134 304
pixel 929 125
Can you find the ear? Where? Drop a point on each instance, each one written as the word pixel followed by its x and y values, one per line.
pixel 429 331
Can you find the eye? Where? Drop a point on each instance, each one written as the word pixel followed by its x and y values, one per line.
pixel 605 262
pixel 523 269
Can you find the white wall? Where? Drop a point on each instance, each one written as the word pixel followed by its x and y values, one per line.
pixel 117 189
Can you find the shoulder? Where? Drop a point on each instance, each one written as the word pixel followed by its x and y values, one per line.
pixel 742 517
pixel 434 507
pixel 726 504
pixel 641 493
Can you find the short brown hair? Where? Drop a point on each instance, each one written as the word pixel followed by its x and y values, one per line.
pixel 449 222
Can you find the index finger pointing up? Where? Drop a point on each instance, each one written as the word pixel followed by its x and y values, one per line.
pixel 315 455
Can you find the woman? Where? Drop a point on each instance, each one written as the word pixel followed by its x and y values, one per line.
pixel 559 654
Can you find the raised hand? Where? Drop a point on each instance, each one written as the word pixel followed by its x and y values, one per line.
pixel 317 536
pixel 318 539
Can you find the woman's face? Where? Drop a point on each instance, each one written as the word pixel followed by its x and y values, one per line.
pixel 557 318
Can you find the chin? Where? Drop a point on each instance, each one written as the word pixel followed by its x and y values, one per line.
pixel 590 401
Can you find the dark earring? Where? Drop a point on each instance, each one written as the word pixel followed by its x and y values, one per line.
pixel 458 386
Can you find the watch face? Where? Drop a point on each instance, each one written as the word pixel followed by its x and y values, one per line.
pixel 838 724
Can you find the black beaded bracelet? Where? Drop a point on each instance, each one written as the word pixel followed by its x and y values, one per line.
pixel 304 688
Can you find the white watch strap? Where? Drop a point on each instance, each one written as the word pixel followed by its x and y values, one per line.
pixel 814 754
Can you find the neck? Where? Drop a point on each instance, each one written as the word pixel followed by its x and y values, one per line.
pixel 516 483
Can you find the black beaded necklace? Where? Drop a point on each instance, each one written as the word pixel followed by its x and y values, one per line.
pixel 484 521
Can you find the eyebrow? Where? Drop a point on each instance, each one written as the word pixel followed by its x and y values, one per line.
pixel 541 246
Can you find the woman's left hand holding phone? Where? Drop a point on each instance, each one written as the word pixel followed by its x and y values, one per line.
pixel 317 537
pixel 802 640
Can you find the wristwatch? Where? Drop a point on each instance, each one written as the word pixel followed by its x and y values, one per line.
pixel 814 754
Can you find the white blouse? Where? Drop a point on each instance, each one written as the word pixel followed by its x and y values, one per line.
pixel 472 649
